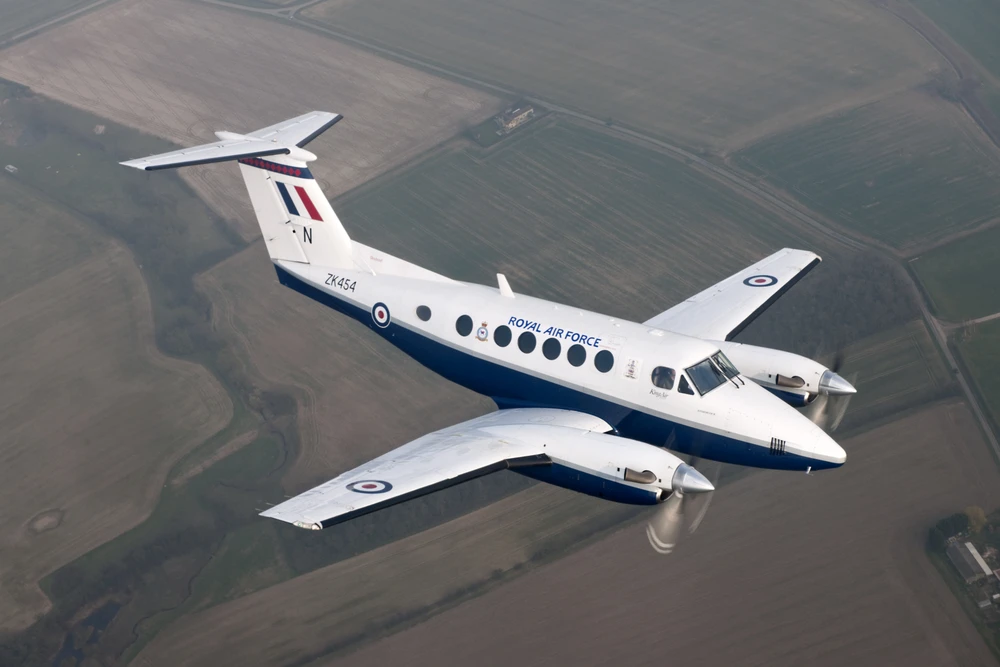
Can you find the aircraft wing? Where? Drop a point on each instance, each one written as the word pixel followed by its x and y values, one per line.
pixel 726 308
pixel 496 441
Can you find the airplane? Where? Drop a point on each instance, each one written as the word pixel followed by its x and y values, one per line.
pixel 585 401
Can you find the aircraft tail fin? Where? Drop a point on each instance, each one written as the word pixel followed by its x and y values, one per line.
pixel 295 216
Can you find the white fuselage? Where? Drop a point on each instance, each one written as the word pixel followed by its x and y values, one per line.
pixel 428 317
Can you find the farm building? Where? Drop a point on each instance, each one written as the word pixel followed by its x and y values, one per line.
pixel 514 116
pixel 966 559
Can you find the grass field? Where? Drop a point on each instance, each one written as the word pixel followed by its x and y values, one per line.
pixel 369 596
pixel 96 419
pixel 981 354
pixel 824 570
pixel 20 15
pixel 974 24
pixel 960 277
pixel 897 370
pixel 181 70
pixel 908 170
pixel 703 72
pixel 571 214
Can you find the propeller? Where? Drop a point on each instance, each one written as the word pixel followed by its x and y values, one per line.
pixel 829 407
pixel 691 496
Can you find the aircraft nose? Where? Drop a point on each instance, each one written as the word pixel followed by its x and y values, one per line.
pixel 826 449
pixel 834 385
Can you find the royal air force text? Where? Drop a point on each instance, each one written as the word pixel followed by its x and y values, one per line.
pixel 555 332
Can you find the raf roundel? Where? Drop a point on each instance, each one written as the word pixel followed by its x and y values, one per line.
pixel 370 486
pixel 380 314
pixel 760 281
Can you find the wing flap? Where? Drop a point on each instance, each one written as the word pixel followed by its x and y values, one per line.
pixel 726 308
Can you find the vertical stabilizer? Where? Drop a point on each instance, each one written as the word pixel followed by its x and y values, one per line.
pixel 295 217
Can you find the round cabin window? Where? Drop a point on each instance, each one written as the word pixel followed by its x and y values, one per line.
pixel 604 361
pixel 502 335
pixel 576 355
pixel 464 325
pixel 551 349
pixel 526 342
pixel 424 313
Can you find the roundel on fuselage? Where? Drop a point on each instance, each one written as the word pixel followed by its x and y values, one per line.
pixel 380 314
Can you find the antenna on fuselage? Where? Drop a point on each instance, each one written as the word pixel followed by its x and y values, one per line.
pixel 505 289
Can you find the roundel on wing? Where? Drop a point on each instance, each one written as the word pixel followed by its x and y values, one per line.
pixel 761 280
pixel 380 314
pixel 370 486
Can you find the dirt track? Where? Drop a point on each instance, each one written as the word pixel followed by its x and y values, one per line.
pixel 786 570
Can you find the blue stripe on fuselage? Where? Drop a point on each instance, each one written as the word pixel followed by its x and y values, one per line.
pixel 510 387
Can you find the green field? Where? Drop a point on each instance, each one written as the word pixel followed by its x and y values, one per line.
pixel 960 277
pixel 906 171
pixel 569 213
pixel 16 16
pixel 974 24
pixel 896 370
pixel 695 70
pixel 981 356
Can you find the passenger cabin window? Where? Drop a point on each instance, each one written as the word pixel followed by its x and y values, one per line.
pixel 726 366
pixel 424 313
pixel 502 336
pixel 576 355
pixel 663 377
pixel 464 325
pixel 526 342
pixel 551 349
pixel 684 387
pixel 604 361
pixel 706 376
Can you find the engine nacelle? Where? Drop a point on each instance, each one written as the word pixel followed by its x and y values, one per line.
pixel 613 468
pixel 795 379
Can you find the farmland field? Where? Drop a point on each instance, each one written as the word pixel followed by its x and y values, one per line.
pixel 907 171
pixel 703 72
pixel 93 417
pixel 981 354
pixel 974 24
pixel 181 70
pixel 366 597
pixel 22 15
pixel 960 277
pixel 571 214
pixel 897 369
pixel 824 570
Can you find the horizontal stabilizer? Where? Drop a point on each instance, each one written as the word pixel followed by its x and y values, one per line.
pixel 285 138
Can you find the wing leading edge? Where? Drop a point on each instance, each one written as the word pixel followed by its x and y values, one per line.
pixel 480 446
pixel 726 308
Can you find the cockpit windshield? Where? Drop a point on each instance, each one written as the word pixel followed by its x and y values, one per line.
pixel 706 376
pixel 726 366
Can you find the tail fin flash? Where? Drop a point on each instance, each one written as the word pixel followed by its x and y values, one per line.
pixel 295 216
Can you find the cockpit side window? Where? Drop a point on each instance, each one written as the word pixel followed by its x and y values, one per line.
pixel 706 376
pixel 684 387
pixel 663 377
pixel 727 367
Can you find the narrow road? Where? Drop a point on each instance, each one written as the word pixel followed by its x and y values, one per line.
pixel 51 22
pixel 732 177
